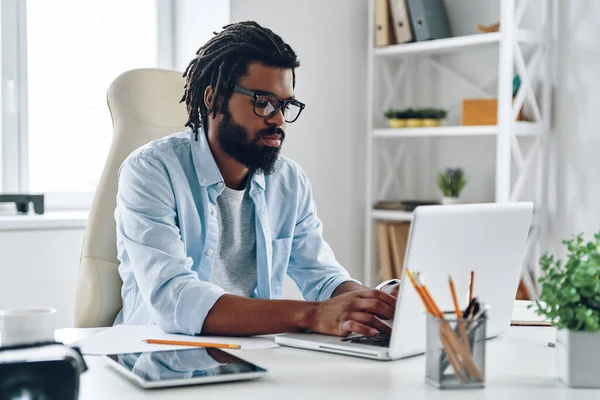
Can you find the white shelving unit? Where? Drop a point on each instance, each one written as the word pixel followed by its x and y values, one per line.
pixel 521 129
pixel 514 161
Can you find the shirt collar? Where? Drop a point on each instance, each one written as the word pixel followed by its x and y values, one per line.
pixel 207 169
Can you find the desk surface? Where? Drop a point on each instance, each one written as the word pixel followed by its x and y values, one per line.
pixel 520 365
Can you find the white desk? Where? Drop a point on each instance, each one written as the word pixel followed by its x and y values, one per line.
pixel 519 365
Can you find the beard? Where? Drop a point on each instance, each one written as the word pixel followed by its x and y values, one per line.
pixel 235 140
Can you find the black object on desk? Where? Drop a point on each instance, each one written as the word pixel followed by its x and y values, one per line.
pixel 22 201
pixel 41 371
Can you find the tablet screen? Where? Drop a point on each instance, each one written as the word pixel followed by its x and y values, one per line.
pixel 185 364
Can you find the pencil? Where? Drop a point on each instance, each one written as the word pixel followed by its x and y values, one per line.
pixel 454 298
pixel 459 314
pixel 451 355
pixel 419 292
pixel 463 351
pixel 471 280
pixel 434 307
pixel 195 344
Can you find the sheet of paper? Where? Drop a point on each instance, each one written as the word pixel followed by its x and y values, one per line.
pixel 130 339
pixel 522 315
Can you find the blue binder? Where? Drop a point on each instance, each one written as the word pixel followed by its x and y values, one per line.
pixel 428 19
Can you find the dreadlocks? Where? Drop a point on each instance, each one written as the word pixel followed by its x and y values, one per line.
pixel 224 59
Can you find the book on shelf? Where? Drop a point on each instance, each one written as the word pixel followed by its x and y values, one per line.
pixel 392 238
pixel 401 21
pixel 403 205
pixel 428 19
pixel 384 32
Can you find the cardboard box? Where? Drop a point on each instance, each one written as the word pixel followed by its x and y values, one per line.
pixel 482 112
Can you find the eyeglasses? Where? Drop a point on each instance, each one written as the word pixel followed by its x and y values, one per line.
pixel 266 104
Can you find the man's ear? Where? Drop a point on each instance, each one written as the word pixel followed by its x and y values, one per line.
pixel 208 97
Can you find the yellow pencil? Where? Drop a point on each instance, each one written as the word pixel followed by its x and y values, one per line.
pixel 419 291
pixel 457 310
pixel 432 304
pixel 195 344
pixel 459 314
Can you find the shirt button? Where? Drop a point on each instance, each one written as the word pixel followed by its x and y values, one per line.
pixel 220 185
pixel 209 252
pixel 212 211
pixel 203 181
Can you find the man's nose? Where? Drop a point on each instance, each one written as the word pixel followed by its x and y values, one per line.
pixel 277 118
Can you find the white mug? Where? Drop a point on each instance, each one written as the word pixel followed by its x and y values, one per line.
pixel 26 326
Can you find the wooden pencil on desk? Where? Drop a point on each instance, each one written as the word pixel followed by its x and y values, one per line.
pixel 195 344
pixel 471 281
pixel 459 314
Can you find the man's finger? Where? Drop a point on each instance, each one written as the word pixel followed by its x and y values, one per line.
pixel 371 321
pixel 356 327
pixel 380 308
pixel 378 294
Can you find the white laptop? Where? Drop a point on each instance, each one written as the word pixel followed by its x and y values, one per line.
pixel 490 239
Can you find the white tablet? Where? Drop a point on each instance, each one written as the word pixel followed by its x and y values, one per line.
pixel 183 367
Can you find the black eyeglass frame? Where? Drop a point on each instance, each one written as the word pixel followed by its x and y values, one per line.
pixel 280 103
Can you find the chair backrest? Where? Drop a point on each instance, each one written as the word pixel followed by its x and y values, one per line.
pixel 144 104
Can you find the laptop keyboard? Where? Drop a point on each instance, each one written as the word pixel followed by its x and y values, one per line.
pixel 379 340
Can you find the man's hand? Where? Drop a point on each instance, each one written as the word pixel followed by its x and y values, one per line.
pixel 359 311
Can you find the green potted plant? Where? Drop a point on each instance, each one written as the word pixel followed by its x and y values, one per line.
pixel 433 116
pixel 451 182
pixel 395 118
pixel 570 300
pixel 413 118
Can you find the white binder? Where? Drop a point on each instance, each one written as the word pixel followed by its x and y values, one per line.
pixel 401 21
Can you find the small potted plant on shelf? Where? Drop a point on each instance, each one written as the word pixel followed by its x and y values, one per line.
pixel 433 116
pixel 570 299
pixel 395 118
pixel 451 182
pixel 414 117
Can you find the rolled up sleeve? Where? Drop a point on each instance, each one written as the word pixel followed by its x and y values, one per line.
pixel 313 265
pixel 150 247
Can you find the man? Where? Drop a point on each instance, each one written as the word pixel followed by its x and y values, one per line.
pixel 210 220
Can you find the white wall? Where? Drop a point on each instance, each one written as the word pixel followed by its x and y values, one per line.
pixel 577 137
pixel 195 22
pixel 38 268
pixel 329 138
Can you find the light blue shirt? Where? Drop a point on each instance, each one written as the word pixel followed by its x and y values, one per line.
pixel 167 234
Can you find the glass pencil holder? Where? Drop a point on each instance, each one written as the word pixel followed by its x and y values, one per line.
pixel 451 361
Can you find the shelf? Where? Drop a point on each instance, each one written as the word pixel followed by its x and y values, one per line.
pixel 389 215
pixel 522 128
pixel 439 46
pixel 47 221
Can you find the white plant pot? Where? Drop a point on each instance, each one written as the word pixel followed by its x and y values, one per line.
pixel 450 200
pixel 578 358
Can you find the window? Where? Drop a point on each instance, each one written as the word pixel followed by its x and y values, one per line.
pixel 70 52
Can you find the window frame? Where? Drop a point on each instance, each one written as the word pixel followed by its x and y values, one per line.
pixel 14 148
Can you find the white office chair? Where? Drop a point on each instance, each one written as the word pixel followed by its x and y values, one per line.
pixel 144 104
